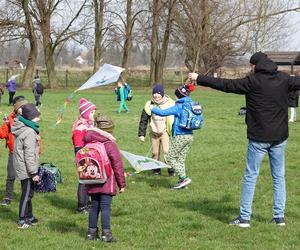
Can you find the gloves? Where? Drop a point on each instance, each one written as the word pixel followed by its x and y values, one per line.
pixel 142 138
pixel 193 76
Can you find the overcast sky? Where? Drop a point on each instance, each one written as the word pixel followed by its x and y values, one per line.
pixel 295 33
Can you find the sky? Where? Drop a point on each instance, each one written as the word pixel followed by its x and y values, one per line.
pixel 294 43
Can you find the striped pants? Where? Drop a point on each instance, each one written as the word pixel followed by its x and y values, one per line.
pixel 25 207
pixel 178 150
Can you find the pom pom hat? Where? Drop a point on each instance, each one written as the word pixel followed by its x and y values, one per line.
pixel 85 108
pixel 184 91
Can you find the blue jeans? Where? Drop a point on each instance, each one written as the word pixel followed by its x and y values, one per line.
pixel 256 152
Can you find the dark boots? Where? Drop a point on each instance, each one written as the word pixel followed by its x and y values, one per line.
pixel 107 236
pixel 92 234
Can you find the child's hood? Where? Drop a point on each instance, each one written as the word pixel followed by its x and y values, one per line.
pixel 97 135
pixel 18 127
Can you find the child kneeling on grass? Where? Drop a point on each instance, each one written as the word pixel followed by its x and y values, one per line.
pixel 182 138
pixel 25 159
pixel 101 194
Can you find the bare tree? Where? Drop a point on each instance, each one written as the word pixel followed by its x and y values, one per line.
pixel 43 12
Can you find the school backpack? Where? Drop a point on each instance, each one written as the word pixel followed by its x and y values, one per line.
pixel 47 181
pixel 93 164
pixel 191 116
pixel 128 92
pixel 39 88
pixel 54 170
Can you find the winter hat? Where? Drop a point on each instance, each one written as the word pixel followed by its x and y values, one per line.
pixel 18 102
pixel 85 108
pixel 104 122
pixel 29 111
pixel 184 90
pixel 256 57
pixel 158 89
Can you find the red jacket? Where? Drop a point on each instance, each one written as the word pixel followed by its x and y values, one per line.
pixel 117 177
pixel 5 132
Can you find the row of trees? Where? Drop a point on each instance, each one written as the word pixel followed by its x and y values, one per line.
pixel 204 33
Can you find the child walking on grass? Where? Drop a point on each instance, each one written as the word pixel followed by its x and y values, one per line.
pixel 182 139
pixel 101 194
pixel 25 160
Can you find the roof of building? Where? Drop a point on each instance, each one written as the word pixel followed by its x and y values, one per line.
pixel 284 57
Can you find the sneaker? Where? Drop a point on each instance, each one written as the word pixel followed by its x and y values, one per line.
pixel 33 221
pixel 278 221
pixel 157 172
pixel 83 210
pixel 182 183
pixel 171 174
pixel 6 202
pixel 240 222
pixel 23 224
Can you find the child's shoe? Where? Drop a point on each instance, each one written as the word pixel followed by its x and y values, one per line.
pixel 22 224
pixel 92 234
pixel 33 221
pixel 106 236
pixel 183 182
pixel 6 202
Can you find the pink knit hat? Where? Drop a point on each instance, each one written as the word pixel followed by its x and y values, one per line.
pixel 85 108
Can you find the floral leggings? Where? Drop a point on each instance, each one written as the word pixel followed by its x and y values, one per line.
pixel 178 150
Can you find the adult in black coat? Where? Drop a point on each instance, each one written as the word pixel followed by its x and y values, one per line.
pixel 266 90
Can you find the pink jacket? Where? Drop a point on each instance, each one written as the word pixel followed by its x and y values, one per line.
pixel 117 177
pixel 78 131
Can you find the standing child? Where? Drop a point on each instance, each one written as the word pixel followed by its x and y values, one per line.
pixel 26 160
pixel 37 90
pixel 1 92
pixel 182 138
pixel 5 133
pixel 11 86
pixel 102 194
pixel 160 127
pixel 84 121
pixel 121 96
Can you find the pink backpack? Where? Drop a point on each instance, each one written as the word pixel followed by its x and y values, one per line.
pixel 93 165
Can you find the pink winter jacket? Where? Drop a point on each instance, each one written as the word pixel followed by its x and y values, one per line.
pixel 117 177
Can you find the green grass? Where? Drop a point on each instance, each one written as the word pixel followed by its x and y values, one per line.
pixel 149 215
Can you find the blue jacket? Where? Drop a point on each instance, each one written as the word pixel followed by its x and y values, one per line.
pixel 176 111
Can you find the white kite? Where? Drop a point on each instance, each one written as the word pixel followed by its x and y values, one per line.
pixel 142 163
pixel 105 75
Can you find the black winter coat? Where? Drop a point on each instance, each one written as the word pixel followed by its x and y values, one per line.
pixel 293 98
pixel 266 92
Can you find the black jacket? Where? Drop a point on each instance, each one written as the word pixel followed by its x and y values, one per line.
pixel 266 92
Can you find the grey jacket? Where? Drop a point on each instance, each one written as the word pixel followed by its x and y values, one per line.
pixel 25 155
pixel 34 84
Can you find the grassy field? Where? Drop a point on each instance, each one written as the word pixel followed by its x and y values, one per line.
pixel 149 215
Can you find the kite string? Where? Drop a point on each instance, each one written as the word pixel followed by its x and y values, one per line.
pixel 63 108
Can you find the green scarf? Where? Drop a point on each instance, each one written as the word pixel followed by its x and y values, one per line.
pixel 30 124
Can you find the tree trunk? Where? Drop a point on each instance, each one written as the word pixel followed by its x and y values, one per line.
pixel 48 51
pixel 99 12
pixel 154 61
pixel 165 43
pixel 128 38
pixel 31 60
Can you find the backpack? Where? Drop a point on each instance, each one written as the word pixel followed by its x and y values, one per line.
pixel 191 116
pixel 93 165
pixel 47 181
pixel 39 88
pixel 54 170
pixel 128 92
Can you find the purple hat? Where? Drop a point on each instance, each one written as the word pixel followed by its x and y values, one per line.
pixel 158 89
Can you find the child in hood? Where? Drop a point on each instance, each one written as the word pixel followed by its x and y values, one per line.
pixel 26 160
pixel 101 194
pixel 181 138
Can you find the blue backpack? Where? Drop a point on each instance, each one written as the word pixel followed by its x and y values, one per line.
pixel 128 92
pixel 47 181
pixel 191 116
